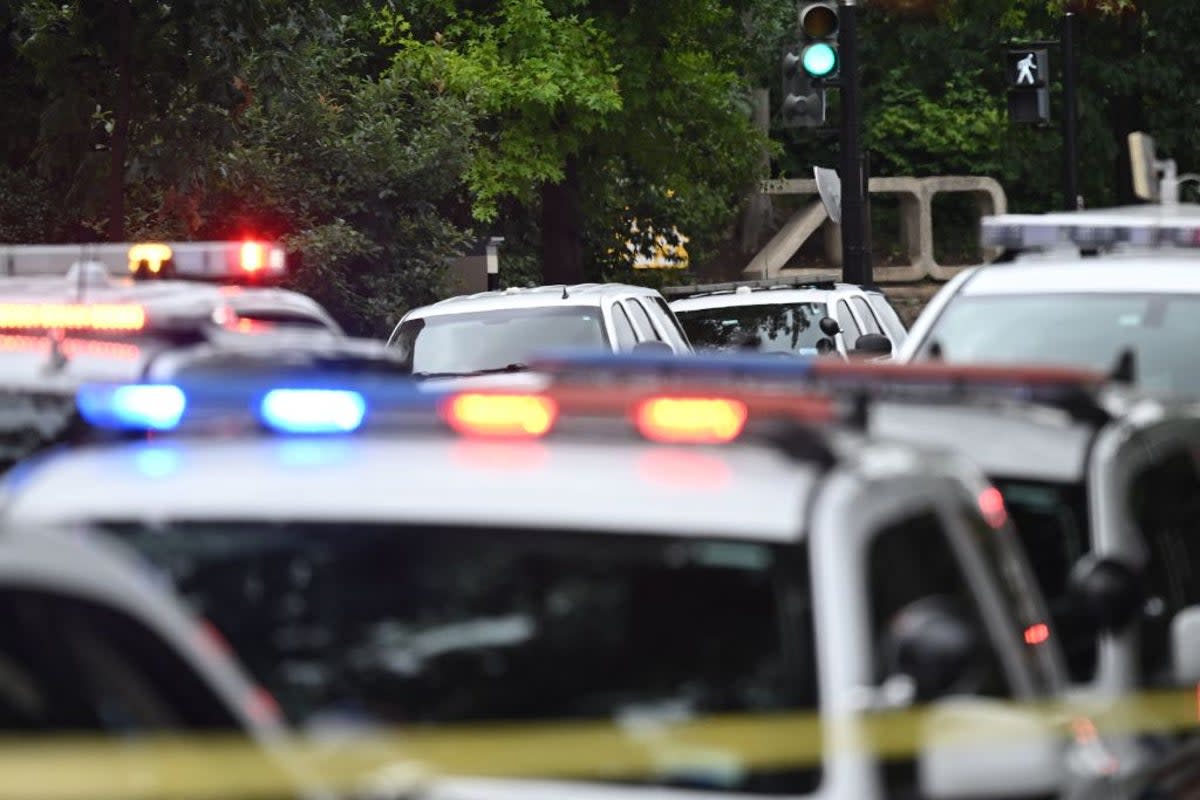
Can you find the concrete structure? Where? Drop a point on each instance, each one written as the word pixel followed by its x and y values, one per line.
pixel 916 225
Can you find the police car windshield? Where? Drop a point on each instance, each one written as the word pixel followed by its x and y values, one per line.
pixel 485 341
pixel 1087 330
pixel 775 328
pixel 366 625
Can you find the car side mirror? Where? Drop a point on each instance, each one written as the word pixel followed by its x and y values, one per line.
pixel 933 644
pixel 829 326
pixel 653 348
pixel 1185 646
pixel 873 344
pixel 1107 592
pixel 1021 754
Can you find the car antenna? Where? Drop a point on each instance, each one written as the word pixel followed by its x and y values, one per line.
pixel 1125 370
pixel 565 296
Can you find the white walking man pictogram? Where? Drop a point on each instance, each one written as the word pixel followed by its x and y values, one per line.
pixel 1025 69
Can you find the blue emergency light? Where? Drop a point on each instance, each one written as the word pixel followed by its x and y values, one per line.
pixel 288 405
pixel 313 410
pixel 151 407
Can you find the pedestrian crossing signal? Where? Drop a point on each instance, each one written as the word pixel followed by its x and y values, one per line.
pixel 1028 78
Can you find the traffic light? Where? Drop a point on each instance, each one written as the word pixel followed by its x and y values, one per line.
pixel 808 65
pixel 1028 77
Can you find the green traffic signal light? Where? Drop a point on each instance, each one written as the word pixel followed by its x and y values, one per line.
pixel 819 60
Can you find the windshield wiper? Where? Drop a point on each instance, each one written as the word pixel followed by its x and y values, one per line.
pixel 515 367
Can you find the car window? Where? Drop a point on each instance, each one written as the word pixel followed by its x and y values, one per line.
pixel 623 328
pixel 68 664
pixel 494 341
pixel 887 315
pixel 871 325
pixel 364 625
pixel 1165 502
pixel 850 329
pixel 912 567
pixel 669 315
pixel 1051 520
pixel 642 320
pixel 768 328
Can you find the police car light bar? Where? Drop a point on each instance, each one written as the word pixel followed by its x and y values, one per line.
pixel 228 262
pixel 1134 226
pixel 72 316
pixel 1067 388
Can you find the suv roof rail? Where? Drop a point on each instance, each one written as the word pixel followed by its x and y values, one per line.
pixel 824 280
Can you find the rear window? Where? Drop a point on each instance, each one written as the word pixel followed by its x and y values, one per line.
pixel 492 341
pixel 369 625
pixel 775 328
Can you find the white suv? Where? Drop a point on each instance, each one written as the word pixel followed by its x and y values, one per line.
pixel 788 316
pixel 498 332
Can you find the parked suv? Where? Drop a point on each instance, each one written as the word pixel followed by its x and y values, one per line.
pixel 497 332
pixel 789 316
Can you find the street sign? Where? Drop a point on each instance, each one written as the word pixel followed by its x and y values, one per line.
pixel 829 186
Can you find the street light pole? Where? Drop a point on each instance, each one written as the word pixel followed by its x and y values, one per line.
pixel 856 265
pixel 1070 121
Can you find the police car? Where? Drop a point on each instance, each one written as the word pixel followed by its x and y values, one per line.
pixel 789 316
pixel 498 332
pixel 1098 479
pixel 681 585
pixel 72 312
pixel 1088 288
pixel 97 653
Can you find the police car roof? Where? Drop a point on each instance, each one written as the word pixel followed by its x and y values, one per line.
pixel 583 294
pixel 759 297
pixel 1165 271
pixel 738 491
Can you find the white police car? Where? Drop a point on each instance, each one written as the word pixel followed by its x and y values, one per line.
pixel 498 332
pixel 1098 479
pixel 75 312
pixel 1087 288
pixel 788 316
pixel 95 653
pixel 661 582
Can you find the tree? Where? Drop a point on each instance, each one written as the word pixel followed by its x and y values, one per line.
pixel 135 90
pixel 594 108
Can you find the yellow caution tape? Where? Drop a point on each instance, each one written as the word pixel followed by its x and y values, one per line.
pixel 211 767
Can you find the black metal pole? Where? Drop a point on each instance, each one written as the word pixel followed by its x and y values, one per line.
pixel 1070 117
pixel 855 267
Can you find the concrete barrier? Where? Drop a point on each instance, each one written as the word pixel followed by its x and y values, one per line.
pixel 916 224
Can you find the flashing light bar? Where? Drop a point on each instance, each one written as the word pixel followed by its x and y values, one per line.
pixel 72 316
pixel 231 262
pixel 1136 226
pixel 1071 389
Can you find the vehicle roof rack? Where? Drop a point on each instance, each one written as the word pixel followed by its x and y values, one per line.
pixel 825 280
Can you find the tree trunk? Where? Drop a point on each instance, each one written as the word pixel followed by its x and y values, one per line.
pixel 562 223
pixel 120 133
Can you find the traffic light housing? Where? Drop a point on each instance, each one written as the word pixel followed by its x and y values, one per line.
pixel 1027 72
pixel 810 65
